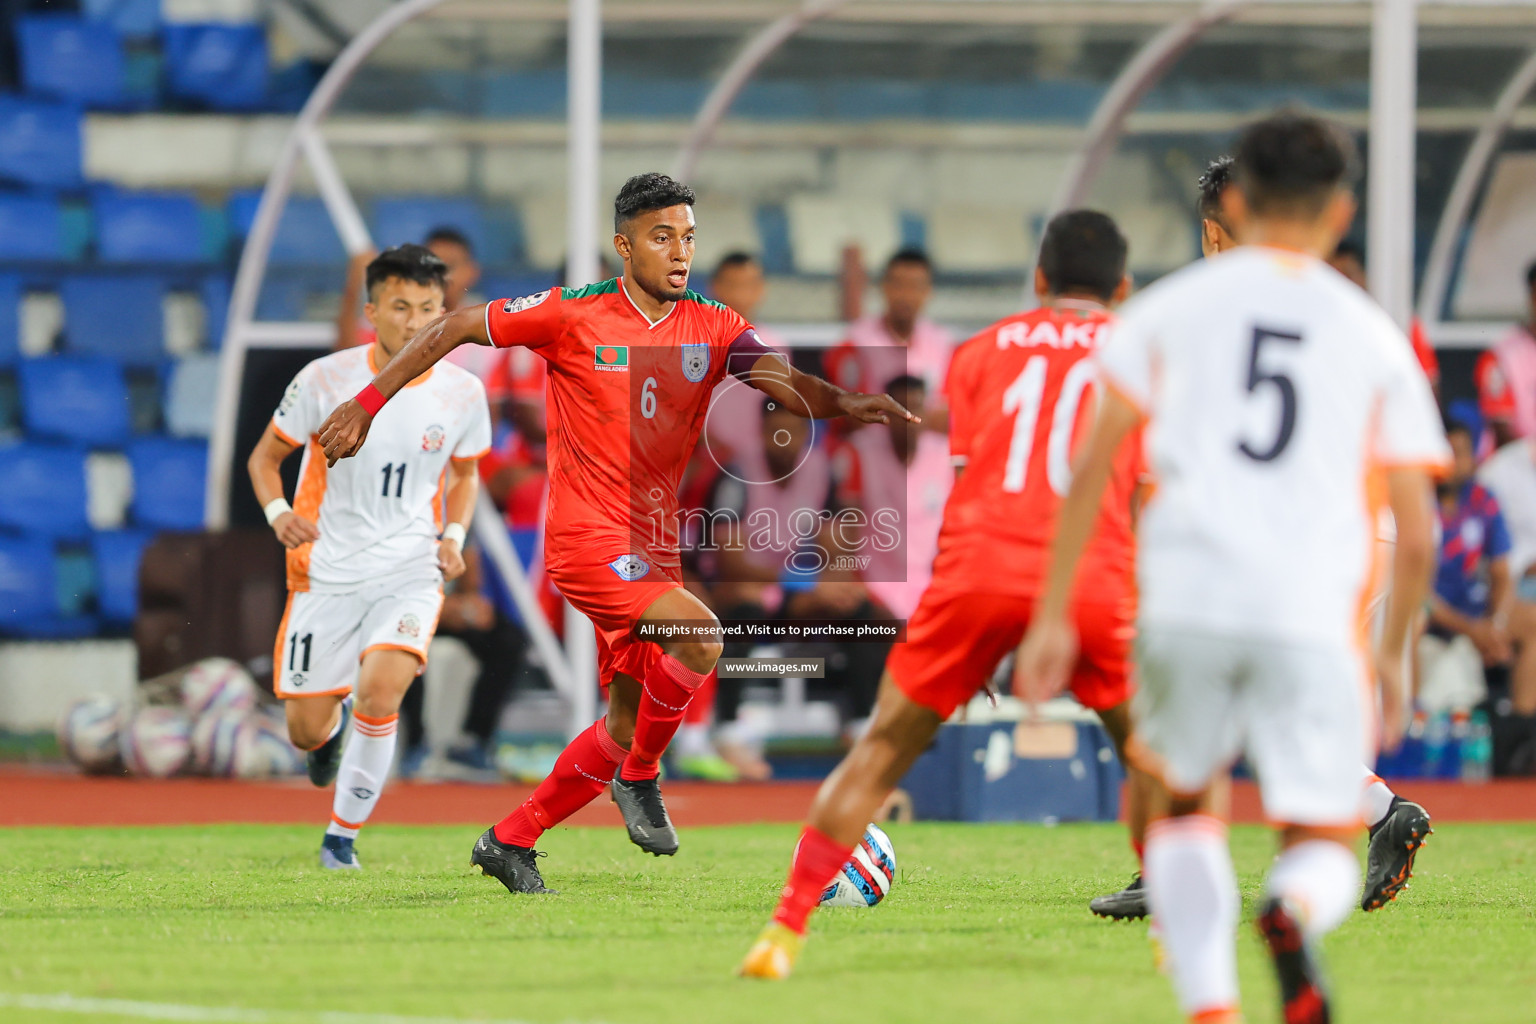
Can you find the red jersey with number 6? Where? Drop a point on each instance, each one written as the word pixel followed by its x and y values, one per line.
pixel 627 400
pixel 1022 395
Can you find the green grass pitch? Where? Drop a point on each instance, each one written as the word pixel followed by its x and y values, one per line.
pixel 986 923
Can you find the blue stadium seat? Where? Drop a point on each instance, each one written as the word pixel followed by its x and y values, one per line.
pixel 70 58
pixel 169 477
pixel 120 316
pixel 27 583
pixel 132 19
pixel 44 489
pixel 401 219
pixel 221 66
pixel 305 235
pixel 31 228
pixel 74 580
pixel 215 294
pixel 39 142
pixel 10 318
pixel 118 554
pixel 75 398
pixel 147 227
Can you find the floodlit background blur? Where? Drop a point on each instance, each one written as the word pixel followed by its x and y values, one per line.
pixel 143 343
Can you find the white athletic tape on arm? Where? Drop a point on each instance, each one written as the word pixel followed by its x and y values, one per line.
pixel 456 533
pixel 274 508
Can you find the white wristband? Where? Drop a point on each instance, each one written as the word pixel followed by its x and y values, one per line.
pixel 455 532
pixel 274 508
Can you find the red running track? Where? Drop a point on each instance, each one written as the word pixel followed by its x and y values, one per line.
pixel 37 797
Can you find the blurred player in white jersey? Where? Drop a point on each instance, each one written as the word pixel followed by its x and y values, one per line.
pixel 370 540
pixel 1398 827
pixel 1283 410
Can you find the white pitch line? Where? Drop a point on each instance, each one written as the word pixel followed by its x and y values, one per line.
pixel 66 1003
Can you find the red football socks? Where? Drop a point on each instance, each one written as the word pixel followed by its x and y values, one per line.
pixel 582 771
pixel 665 692
pixel 818 859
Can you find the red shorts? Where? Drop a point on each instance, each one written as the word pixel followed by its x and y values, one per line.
pixel 957 638
pixel 614 604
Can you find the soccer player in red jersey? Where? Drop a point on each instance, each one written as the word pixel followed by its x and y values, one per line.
pixel 632 363
pixel 1021 394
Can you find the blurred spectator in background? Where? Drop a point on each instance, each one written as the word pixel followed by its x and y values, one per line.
pixel 1510 473
pixel 498 644
pixel 899 341
pixel 903 472
pixel 1349 260
pixel 1506 376
pixel 735 418
pixel 1469 608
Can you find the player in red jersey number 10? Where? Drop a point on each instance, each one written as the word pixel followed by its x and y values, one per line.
pixel 632 364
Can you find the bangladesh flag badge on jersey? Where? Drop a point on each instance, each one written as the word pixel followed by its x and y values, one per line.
pixel 610 357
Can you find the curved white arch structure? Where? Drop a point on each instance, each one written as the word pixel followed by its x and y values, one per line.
pixel 1458 205
pixel 1156 56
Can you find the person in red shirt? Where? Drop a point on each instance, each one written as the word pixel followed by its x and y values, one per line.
pixel 632 362
pixel 1021 395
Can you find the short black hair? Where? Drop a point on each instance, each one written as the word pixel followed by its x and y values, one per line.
pixel 1349 249
pixel 1530 275
pixel 453 236
pixel 646 192
pixel 1215 179
pixel 1291 163
pixel 909 254
pixel 905 382
pixel 409 262
pixel 1083 250
pixel 732 260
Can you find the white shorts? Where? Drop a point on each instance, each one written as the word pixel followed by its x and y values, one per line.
pixel 323 637
pixel 1297 710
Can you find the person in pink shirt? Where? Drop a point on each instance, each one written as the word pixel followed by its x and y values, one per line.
pixel 734 425
pixel 1506 377
pixel 900 341
pixel 905 470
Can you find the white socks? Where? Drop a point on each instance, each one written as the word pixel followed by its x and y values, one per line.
pixel 1375 799
pixel 1320 880
pixel 692 740
pixel 364 768
pixel 1193 894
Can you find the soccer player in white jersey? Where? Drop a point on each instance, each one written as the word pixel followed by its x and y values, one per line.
pixel 1282 409
pixel 1398 827
pixel 370 541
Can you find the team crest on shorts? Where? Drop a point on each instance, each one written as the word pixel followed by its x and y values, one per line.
pixel 410 625
pixel 432 440
pixel 296 679
pixel 695 362
pixel 630 567
pixel 526 302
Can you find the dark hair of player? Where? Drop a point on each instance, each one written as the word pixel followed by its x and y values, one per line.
pixel 1215 179
pixel 1083 251
pixel 646 192
pixel 1290 164
pixel 1349 249
pixel 732 260
pixel 905 382
pixel 909 254
pixel 409 262
pixel 1530 275
pixel 453 236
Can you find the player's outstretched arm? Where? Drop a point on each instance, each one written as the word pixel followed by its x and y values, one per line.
pixel 1410 493
pixel 817 399
pixel 264 465
pixel 346 428
pixel 1046 655
pixel 462 493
